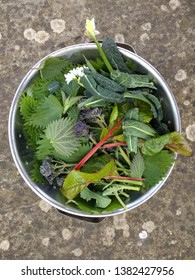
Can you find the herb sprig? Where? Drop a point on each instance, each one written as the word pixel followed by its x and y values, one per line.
pixel 96 129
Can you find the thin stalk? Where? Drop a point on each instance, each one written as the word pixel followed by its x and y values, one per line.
pixel 107 63
pixel 124 155
pixel 120 200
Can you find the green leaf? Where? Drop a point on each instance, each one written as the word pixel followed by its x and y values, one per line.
pixel 114 113
pixel 72 88
pixel 61 135
pixel 105 82
pixel 44 148
pixel 114 56
pixel 137 166
pixel 69 102
pixel 131 140
pixel 132 80
pixel 53 67
pixel 138 95
pixel 101 201
pixel 172 141
pixel 76 156
pixel 96 164
pixel 27 106
pixel 138 129
pixel 76 181
pixel 48 110
pixel 100 92
pixel 156 167
pixel 178 144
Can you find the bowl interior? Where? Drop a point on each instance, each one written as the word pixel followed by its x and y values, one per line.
pixel 23 157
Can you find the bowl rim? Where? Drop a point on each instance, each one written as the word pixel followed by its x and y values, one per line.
pixel 11 132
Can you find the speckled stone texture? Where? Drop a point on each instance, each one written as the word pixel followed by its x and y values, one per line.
pixel 162 32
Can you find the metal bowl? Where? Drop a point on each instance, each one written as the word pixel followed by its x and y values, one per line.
pixel 23 158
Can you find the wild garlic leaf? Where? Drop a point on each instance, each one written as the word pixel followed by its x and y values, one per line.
pixel 138 129
pixel 71 89
pixel 138 95
pixel 101 201
pixel 61 135
pixel 53 67
pixel 69 102
pixel 131 140
pixel 137 166
pixel 48 109
pixel 132 80
pixel 156 167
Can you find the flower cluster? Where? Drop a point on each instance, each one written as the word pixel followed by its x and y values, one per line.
pixel 94 115
pixel 81 129
pixel 74 74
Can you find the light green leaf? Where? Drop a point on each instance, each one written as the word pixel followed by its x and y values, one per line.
pixel 101 201
pixel 137 166
pixel 69 102
pixel 47 110
pixel 76 181
pixel 61 135
pixel 114 113
pixel 72 88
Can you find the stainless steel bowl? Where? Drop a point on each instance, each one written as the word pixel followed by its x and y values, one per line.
pixel 22 157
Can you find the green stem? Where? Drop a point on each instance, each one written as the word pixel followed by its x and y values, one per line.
pixel 120 200
pixel 107 63
pixel 123 154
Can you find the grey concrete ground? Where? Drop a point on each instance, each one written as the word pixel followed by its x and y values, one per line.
pixel 162 32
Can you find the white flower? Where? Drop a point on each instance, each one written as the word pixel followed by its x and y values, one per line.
pixel 90 28
pixel 74 74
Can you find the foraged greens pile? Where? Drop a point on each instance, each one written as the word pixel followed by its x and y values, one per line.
pixel 96 130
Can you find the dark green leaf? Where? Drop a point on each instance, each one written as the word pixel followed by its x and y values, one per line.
pixel 114 56
pixel 132 80
pixel 138 129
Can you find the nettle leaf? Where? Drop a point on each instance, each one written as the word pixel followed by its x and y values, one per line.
pixel 27 106
pixel 156 167
pixel 48 109
pixel 101 201
pixel 44 148
pixel 53 67
pixel 61 135
pixel 137 166
pixel 77 155
pixel 132 80
pixel 76 181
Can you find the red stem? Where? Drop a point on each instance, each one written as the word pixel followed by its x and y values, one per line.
pixel 97 146
pixel 111 145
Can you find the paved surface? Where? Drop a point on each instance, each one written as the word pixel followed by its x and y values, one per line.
pixel 162 33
